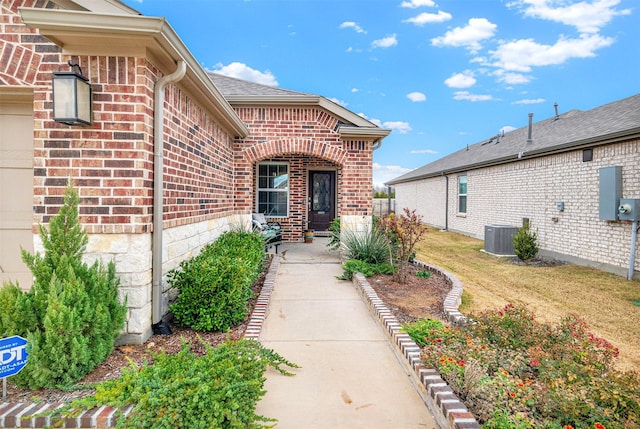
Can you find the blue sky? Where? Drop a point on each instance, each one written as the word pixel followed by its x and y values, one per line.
pixel 440 74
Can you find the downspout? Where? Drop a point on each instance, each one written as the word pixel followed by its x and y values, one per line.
pixel 158 167
pixel 632 251
pixel 446 201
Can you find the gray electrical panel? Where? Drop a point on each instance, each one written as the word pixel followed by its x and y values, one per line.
pixel 629 209
pixel 610 192
pixel 498 239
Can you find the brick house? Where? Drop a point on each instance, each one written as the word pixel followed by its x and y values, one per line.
pixel 548 172
pixel 228 148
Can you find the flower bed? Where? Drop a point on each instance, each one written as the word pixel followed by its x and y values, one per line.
pixel 513 372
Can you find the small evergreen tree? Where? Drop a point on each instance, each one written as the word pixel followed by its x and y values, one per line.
pixel 71 316
pixel 525 243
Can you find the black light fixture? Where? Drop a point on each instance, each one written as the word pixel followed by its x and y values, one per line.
pixel 72 104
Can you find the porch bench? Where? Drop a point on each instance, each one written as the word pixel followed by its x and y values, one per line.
pixel 271 231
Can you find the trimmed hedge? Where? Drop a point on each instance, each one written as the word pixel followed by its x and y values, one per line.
pixel 215 286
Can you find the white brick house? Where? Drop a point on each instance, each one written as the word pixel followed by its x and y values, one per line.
pixel 526 173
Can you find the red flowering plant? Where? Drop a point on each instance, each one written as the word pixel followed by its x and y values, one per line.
pixel 403 232
pixel 512 371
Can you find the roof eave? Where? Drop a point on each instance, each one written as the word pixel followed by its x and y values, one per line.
pixel 88 33
pixel 633 133
pixel 363 132
pixel 100 6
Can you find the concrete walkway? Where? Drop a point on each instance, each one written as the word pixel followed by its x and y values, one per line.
pixel 350 376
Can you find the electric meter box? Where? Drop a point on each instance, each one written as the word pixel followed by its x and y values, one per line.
pixel 629 209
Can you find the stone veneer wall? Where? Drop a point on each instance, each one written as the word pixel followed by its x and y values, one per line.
pixel 530 188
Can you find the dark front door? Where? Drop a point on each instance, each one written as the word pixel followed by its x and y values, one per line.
pixel 322 199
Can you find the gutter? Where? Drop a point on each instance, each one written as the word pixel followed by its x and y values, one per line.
pixel 158 167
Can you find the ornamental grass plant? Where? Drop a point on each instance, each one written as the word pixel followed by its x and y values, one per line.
pixel 512 371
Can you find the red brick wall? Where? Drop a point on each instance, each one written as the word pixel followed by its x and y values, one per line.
pixel 111 161
pixel 305 138
pixel 198 163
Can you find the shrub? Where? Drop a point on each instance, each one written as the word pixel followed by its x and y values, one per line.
pixel 367 269
pixel 215 286
pixel 512 371
pixel 217 390
pixel 71 316
pixel 402 233
pixel 525 243
pixel 370 246
pixel 425 274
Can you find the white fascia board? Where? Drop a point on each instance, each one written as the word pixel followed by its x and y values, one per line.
pixel 363 132
pixel 98 6
pixel 88 33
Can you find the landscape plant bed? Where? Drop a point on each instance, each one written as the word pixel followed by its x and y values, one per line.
pixel 417 298
pixel 514 372
pixel 122 356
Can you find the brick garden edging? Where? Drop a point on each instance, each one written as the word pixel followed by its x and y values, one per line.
pixel 12 415
pixel 443 403
pixel 447 409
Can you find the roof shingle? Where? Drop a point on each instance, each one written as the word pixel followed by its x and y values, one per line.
pixel 570 130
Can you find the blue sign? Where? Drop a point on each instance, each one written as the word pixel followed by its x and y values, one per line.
pixel 13 355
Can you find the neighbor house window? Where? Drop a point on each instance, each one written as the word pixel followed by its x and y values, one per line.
pixel 462 193
pixel 273 189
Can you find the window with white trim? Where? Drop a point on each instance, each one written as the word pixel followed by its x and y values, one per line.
pixel 462 193
pixel 273 189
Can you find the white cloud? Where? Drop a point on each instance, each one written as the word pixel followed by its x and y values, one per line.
pixel 586 17
pixel 243 71
pixel 385 173
pixel 416 96
pixel 469 37
pixel 507 128
pixel 461 80
pixel 530 101
pixel 429 18
pixel 417 3
pixel 400 126
pixel 355 90
pixel 355 26
pixel 385 42
pixel 511 78
pixel 521 55
pixel 339 102
pixel 466 95
pixel 424 151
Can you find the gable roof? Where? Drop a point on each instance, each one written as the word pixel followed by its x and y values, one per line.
pixel 231 86
pixel 573 130
pixel 239 92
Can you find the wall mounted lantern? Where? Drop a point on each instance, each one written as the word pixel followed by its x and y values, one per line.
pixel 72 104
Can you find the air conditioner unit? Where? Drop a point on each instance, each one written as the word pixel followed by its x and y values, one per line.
pixel 498 239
